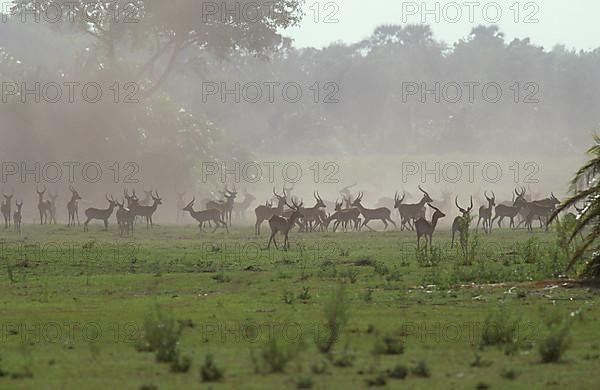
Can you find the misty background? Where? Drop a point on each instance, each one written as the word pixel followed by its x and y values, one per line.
pixel 368 129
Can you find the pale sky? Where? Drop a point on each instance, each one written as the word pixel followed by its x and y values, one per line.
pixel 573 23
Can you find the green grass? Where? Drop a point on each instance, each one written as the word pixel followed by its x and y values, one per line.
pixel 76 319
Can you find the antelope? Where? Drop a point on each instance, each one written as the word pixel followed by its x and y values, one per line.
pixel 132 204
pixel 426 228
pixel 506 211
pixel 540 209
pixel 411 212
pixel 124 218
pixel 18 217
pixel 309 215
pixel 485 213
pixel 284 225
pixel 101 214
pixel 73 207
pixel 383 214
pixel 265 213
pixel 148 211
pixel 345 216
pixel 461 223
pixel 213 215
pixel 52 210
pixel 6 208
pixel 43 206
pixel 225 205
pixel 241 207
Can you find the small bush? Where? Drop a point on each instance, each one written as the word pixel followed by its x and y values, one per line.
pixel 557 339
pixel 336 317
pixel 320 367
pixel 345 358
pixel 509 374
pixel 378 380
pixel 499 328
pixel 398 372
pixel 209 372
pixel 275 355
pixel 389 345
pixel 305 294
pixel 288 297
pixel 304 382
pixel 349 275
pixel 421 370
pixel 161 334
pixel 181 364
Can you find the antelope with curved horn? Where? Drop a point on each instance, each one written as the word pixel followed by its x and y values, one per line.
pixel 132 205
pixel 73 207
pixel 6 208
pixel 148 211
pixel 284 225
pixel 506 211
pixel 485 213
pixel 213 215
pixel 100 214
pixel 426 228
pixel 345 217
pixel 225 205
pixel 310 216
pixel 43 206
pixel 461 223
pixel 18 217
pixel 409 213
pixel 265 213
pixel 383 214
pixel 536 209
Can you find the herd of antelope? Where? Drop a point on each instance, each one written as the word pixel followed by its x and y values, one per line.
pixel 349 213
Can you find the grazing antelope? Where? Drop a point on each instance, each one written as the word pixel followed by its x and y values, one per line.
pixel 383 214
pixel 148 211
pixel 73 207
pixel 506 211
pixel 485 213
pixel 213 215
pixel 6 208
pixel 426 228
pixel 101 214
pixel 284 225
pixel 411 212
pixel 240 208
pixel 43 206
pixel 124 218
pixel 52 210
pixel 18 217
pixel 461 223
pixel 265 213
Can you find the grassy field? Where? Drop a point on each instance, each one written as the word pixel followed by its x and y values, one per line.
pixel 90 310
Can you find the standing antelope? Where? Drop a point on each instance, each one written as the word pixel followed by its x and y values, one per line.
pixel 43 206
pixel 536 209
pixel 265 213
pixel 52 210
pixel 101 214
pixel 411 212
pixel 6 208
pixel 461 223
pixel 311 217
pixel 213 215
pixel 383 214
pixel 124 218
pixel 132 205
pixel 426 228
pixel 18 217
pixel 148 211
pixel 284 225
pixel 506 211
pixel 485 213
pixel 73 207
pixel 345 216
